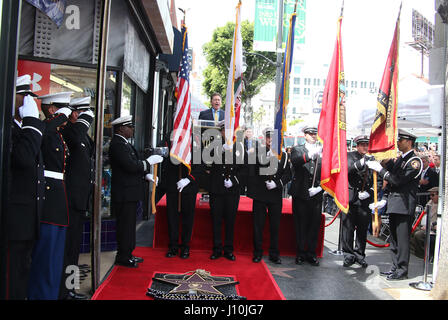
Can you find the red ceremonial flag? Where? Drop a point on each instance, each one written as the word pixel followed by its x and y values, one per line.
pixel 383 135
pixel 182 129
pixel 332 130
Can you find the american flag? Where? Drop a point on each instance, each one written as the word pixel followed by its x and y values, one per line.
pixel 182 129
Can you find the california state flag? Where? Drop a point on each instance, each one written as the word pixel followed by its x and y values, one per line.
pixel 234 81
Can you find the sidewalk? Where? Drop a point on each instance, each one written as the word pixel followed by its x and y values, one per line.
pixel 329 281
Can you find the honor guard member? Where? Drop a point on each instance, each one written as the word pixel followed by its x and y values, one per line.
pixel 224 197
pixel 360 196
pixel 26 191
pixel 177 178
pixel 402 178
pixel 48 253
pixel 79 183
pixel 307 196
pixel 266 188
pixel 128 173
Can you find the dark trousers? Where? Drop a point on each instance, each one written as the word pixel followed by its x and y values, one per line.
pixel 357 218
pixel 186 214
pixel 274 210
pixel 16 265
pixel 73 240
pixel 400 234
pixel 223 207
pixel 47 262
pixel 126 223
pixel 307 219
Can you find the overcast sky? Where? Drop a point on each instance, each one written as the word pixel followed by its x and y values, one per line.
pixel 367 28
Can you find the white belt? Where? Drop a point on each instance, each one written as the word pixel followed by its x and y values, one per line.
pixel 53 174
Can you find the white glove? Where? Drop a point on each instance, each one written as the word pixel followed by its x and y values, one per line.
pixel 154 159
pixel 314 154
pixel 363 195
pixel 270 184
pixel 29 108
pixel 228 183
pixel 64 110
pixel 150 177
pixel 380 204
pixel 374 165
pixel 182 183
pixel 88 112
pixel 362 161
pixel 313 191
pixel 225 146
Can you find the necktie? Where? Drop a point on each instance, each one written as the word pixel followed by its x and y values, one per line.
pixel 216 115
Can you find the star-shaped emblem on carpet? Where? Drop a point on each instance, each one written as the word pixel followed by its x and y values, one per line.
pixel 196 282
pixel 281 272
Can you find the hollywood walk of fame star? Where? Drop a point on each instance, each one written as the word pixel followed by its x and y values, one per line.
pixel 197 283
pixel 281 272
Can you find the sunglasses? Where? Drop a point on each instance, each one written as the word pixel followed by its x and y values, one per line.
pixel 433 194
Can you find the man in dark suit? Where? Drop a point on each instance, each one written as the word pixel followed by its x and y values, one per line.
pixel 48 253
pixel 226 179
pixel 26 193
pixel 307 196
pixel 214 113
pixel 128 173
pixel 428 179
pixel 359 215
pixel 265 187
pixel 79 183
pixel 402 178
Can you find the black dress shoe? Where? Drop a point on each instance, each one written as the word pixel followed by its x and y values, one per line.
pixel 300 260
pixel 397 276
pixel 127 263
pixel 275 260
pixel 313 261
pixel 229 256
pixel 256 259
pixel 215 255
pixel 137 259
pixel 171 253
pixel 185 253
pixel 348 262
pixel 72 295
pixel 362 263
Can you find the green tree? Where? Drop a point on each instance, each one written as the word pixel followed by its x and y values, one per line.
pixel 217 52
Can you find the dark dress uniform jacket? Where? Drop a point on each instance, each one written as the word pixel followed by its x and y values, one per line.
pixel 359 179
pixel 127 171
pixel 223 171
pixel 256 188
pixel 80 166
pixel 55 152
pixel 170 177
pixel 303 168
pixel 402 177
pixel 26 180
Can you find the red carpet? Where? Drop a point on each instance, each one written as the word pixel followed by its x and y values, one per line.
pixel 255 280
pixel 243 239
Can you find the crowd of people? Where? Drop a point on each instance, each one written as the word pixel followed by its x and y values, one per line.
pixel 52 174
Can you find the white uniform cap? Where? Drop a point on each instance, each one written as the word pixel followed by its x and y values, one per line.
pixel 60 99
pixel 122 121
pixel 80 103
pixel 23 85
